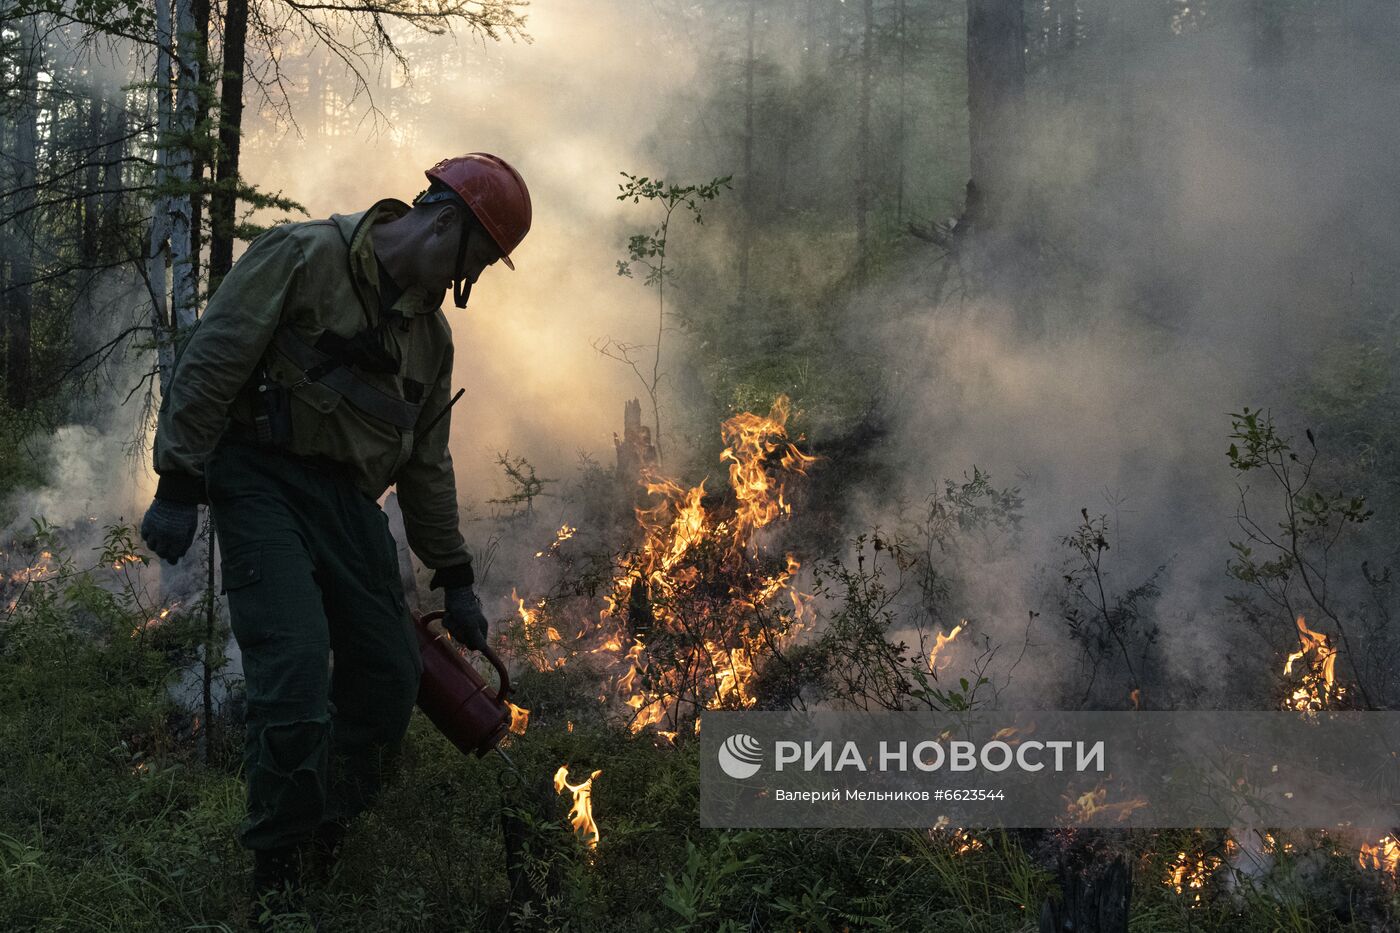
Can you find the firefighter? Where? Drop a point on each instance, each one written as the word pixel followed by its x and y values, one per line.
pixel 320 375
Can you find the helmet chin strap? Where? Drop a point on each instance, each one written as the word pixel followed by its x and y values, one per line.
pixel 460 292
pixel 461 288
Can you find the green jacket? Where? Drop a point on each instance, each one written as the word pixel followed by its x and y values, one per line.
pixel 313 277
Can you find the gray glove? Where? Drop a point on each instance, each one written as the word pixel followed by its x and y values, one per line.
pixel 465 621
pixel 168 528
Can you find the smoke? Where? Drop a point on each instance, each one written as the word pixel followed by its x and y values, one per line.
pixel 569 110
pixel 1204 235
pixel 1206 221
pixel 1203 229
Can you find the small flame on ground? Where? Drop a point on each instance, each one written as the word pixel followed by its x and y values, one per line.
pixel 1382 856
pixel 964 842
pixel 1189 875
pixel 1136 697
pixel 519 718
pixel 565 532
pixel 35 572
pixel 153 622
pixel 581 815
pixel 1317 689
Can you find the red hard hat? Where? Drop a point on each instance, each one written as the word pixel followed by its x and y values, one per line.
pixel 494 191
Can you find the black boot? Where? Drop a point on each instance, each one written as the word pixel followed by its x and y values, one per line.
pixel 278 894
pixel 320 854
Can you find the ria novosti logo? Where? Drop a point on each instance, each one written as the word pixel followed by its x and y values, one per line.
pixel 740 756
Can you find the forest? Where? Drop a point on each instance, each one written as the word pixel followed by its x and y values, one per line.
pixel 863 355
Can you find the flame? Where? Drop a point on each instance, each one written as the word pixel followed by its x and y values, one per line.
pixel 153 622
pixel 581 815
pixel 698 588
pixel 34 573
pixel 542 641
pixel 1316 688
pixel 519 718
pixel 964 842
pixel 565 532
pixel 697 601
pixel 1136 696
pixel 752 441
pixel 1189 875
pixel 1384 856
pixel 940 642
pixel 1091 804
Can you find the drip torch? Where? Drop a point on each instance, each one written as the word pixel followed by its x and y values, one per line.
pixel 457 699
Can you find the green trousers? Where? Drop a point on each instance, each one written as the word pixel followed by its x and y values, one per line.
pixel 330 659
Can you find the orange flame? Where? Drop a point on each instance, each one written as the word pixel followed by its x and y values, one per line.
pixel 35 572
pixel 1091 804
pixel 581 815
pixel 698 586
pixel 939 643
pixel 1317 688
pixel 153 622
pixel 565 532
pixel 519 718
pixel 1189 875
pixel 752 440
pixel 1384 856
pixel 671 566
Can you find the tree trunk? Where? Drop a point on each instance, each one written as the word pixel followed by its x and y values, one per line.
pixel 863 179
pixel 113 153
pixel 901 37
pixel 89 245
pixel 199 153
pixel 996 82
pixel 223 206
pixel 159 251
pixel 1094 898
pixel 19 305
pixel 746 236
pixel 635 453
pixel 184 259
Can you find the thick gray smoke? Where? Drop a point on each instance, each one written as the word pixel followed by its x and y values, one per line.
pixel 1207 223
pixel 1209 229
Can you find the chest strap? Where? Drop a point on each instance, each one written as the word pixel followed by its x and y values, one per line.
pixel 317 366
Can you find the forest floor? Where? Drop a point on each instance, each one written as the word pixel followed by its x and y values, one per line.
pixel 114 817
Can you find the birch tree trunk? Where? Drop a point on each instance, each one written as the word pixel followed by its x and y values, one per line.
pixel 161 209
pixel 184 264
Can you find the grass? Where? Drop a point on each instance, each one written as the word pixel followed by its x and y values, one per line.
pixel 111 820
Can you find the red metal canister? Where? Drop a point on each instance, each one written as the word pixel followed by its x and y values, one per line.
pixel 455 697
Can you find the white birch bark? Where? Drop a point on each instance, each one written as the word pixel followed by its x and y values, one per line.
pixel 183 267
pixel 159 253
